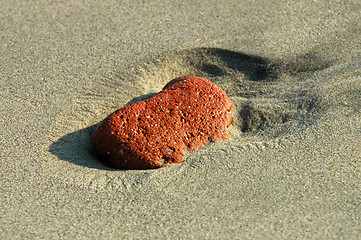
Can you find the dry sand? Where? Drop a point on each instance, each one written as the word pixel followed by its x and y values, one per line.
pixel 292 168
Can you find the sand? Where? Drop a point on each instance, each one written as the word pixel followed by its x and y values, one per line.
pixel 292 168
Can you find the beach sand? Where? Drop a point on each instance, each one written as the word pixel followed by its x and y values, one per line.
pixel 292 168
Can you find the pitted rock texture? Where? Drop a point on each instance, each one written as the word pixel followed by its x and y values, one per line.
pixel 185 115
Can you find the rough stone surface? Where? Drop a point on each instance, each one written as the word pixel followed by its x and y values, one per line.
pixel 185 115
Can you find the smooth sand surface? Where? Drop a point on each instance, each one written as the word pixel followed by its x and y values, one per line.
pixel 292 168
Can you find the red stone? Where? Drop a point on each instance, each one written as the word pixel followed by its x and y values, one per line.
pixel 185 115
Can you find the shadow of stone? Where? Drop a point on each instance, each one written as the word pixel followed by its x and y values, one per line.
pixel 77 147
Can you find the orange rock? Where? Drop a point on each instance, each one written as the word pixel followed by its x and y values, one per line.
pixel 185 115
